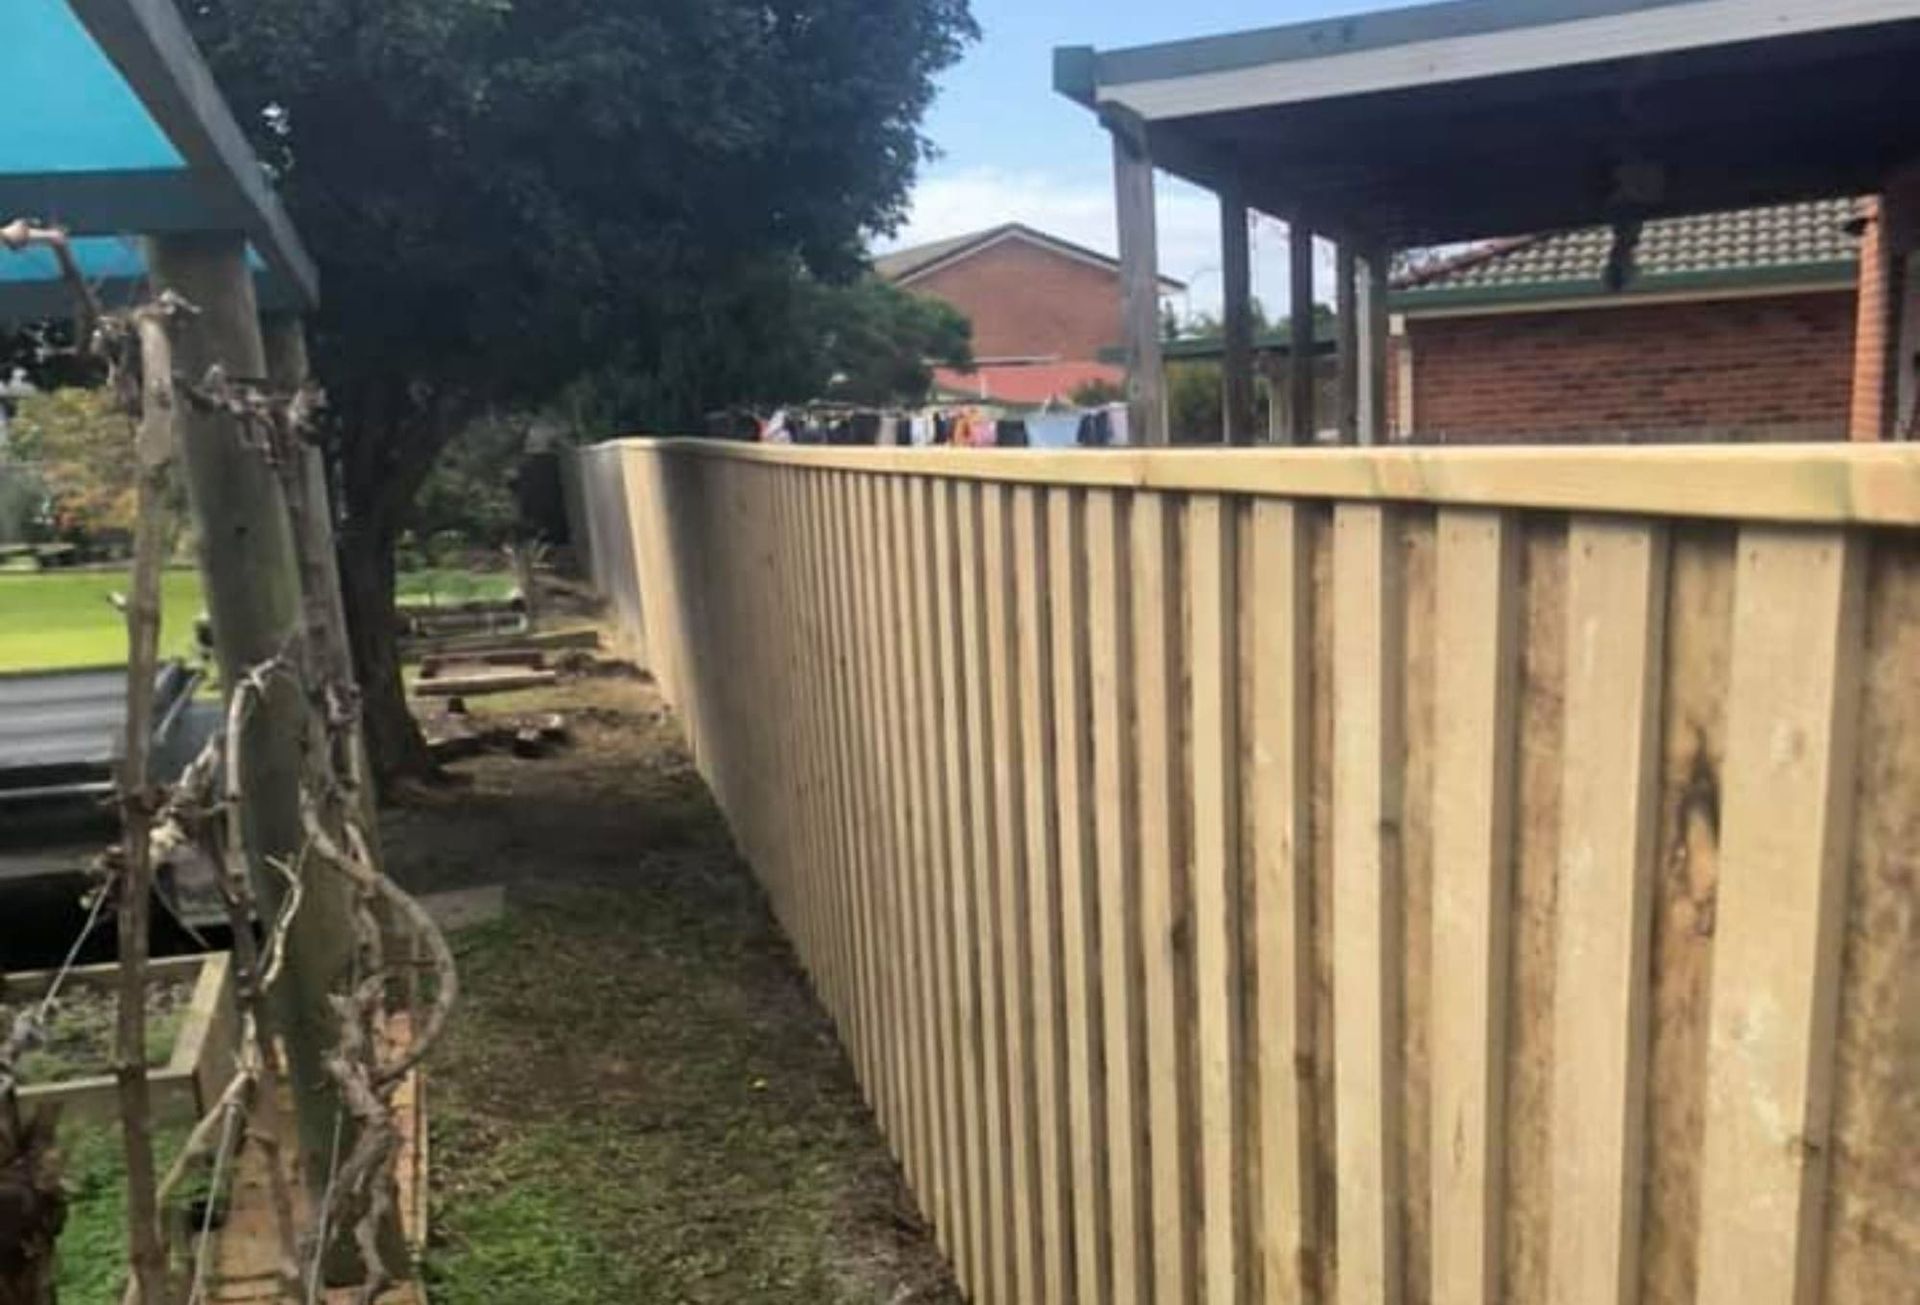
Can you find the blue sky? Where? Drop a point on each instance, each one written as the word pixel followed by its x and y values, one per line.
pixel 1015 151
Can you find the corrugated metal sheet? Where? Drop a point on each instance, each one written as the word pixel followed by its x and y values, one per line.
pixel 62 731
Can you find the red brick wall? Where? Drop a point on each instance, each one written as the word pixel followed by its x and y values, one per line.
pixel 1028 302
pixel 1870 354
pixel 1778 367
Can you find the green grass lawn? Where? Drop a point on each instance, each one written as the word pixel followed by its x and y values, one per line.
pixel 449 585
pixel 91 1267
pixel 51 620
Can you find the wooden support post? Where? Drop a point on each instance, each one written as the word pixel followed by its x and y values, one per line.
pixel 284 338
pixel 1300 350
pixel 1236 319
pixel 253 592
pixel 1139 279
pixel 1899 221
pixel 1346 311
pixel 1370 322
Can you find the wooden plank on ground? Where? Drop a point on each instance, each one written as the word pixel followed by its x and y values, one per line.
pixel 1369 661
pixel 1281 677
pixel 474 684
pixel 1616 584
pixel 1219 976
pixel 1117 843
pixel 1792 727
pixel 1164 898
pixel 1477 606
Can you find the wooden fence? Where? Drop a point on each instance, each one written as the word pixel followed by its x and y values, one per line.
pixel 1358 877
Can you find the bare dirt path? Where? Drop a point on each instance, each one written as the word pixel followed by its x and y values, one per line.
pixel 640 1101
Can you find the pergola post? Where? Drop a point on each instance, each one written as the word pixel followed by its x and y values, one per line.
pixel 310 509
pixel 1347 321
pixel 253 593
pixel 1370 319
pixel 1236 315
pixel 1300 334
pixel 1900 219
pixel 1139 280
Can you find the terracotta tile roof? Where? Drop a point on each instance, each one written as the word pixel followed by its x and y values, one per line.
pixel 1781 243
pixel 1024 384
pixel 904 264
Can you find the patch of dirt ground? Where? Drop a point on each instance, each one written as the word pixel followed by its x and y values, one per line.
pixel 639 1100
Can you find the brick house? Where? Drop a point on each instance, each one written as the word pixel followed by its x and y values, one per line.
pixel 1732 326
pixel 1043 309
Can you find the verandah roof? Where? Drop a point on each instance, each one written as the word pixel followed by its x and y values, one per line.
pixel 1482 118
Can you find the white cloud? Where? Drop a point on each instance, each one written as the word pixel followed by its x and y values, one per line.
pixel 972 199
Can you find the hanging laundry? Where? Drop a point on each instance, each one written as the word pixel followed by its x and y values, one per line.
pixel 1054 430
pixel 973 431
pixel 1096 429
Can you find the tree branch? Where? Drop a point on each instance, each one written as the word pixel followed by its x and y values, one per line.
pixel 155 444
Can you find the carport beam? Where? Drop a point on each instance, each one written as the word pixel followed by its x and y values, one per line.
pixel 1139 279
pixel 1236 318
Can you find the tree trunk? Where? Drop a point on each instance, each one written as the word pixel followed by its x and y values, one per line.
pixel 33 1206
pixel 398 751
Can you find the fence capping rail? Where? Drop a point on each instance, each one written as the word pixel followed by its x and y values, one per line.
pixel 1829 484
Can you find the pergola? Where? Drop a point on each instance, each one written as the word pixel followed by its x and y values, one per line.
pixel 116 132
pixel 1484 118
pixel 117 135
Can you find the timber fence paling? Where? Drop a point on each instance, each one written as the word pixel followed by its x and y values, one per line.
pixel 1350 877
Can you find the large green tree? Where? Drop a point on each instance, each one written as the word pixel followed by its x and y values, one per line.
pixel 507 196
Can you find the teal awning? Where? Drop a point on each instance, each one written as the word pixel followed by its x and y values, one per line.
pixel 116 132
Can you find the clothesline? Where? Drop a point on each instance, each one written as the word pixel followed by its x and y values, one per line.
pixel 965 426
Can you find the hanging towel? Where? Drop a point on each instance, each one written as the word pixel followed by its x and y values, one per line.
pixel 1055 430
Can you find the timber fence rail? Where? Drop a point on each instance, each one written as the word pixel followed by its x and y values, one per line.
pixel 1349 877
